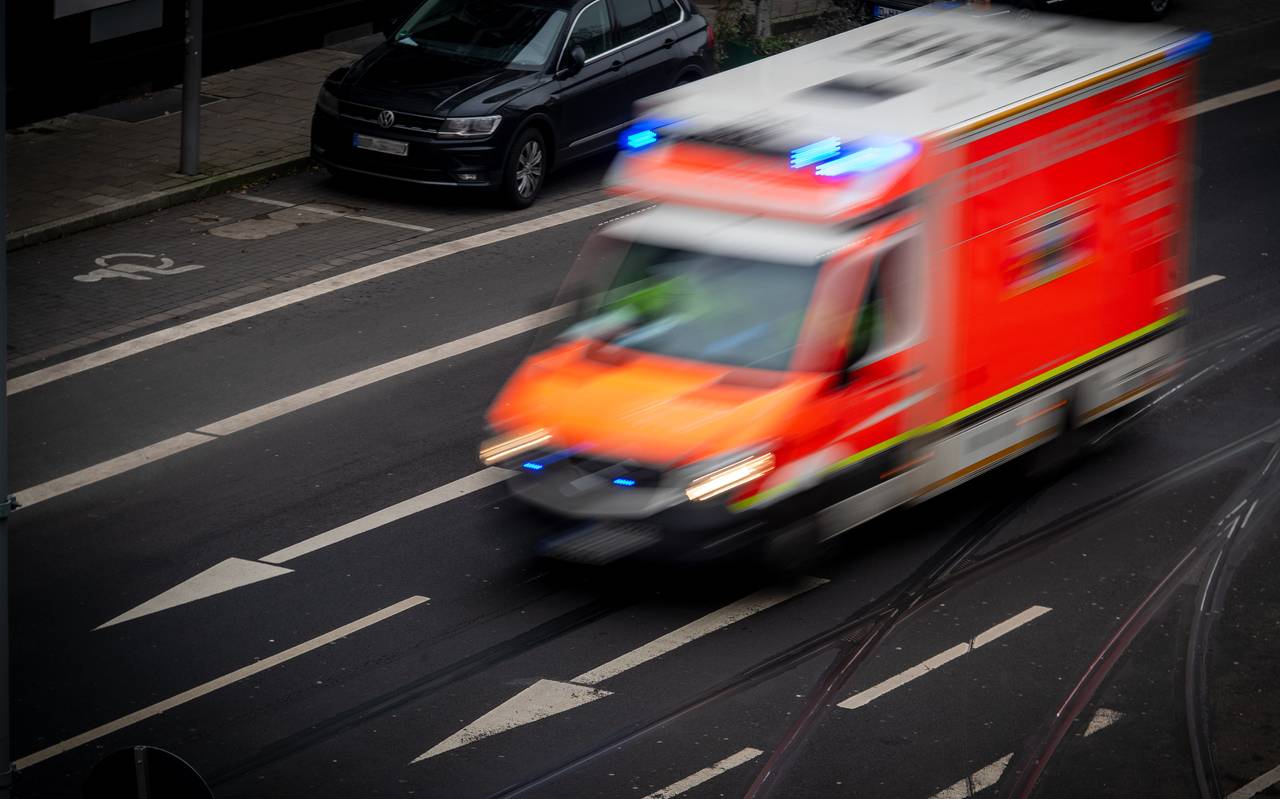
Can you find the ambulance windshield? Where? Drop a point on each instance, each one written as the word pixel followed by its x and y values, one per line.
pixel 700 306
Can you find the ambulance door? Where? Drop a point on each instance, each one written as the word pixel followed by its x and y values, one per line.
pixel 882 389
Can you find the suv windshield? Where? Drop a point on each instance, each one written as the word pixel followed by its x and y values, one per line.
pixel 492 32
pixel 733 311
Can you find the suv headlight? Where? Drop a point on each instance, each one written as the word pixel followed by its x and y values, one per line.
pixel 733 475
pixel 326 102
pixel 503 448
pixel 468 127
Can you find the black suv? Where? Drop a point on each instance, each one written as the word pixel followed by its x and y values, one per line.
pixel 494 93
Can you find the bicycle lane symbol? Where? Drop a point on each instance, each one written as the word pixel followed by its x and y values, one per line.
pixel 116 265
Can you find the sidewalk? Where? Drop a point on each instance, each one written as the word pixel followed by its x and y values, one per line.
pixel 88 169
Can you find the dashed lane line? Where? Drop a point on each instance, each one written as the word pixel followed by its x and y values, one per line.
pixel 272 410
pixel 257 667
pixel 979 780
pixel 1231 98
pixel 710 772
pixel 310 291
pixel 1256 785
pixel 942 658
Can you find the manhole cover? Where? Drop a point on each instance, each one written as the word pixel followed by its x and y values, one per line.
pixel 148 106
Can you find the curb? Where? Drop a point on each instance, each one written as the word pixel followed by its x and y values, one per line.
pixel 153 201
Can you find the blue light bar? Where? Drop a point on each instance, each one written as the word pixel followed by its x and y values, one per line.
pixel 810 154
pixel 1191 46
pixel 866 159
pixel 641 139
pixel 643 134
pixel 626 482
pixel 533 466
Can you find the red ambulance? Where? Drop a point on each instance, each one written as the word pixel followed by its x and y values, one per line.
pixel 870 269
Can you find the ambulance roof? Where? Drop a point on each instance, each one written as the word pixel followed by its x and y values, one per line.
pixel 935 70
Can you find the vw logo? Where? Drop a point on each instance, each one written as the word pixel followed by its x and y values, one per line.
pixel 386 119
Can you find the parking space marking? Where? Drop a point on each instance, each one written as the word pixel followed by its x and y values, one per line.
pixel 979 780
pixel 546 698
pixel 277 408
pixel 310 291
pixel 257 667
pixel 697 778
pixel 942 658
pixel 319 209
pixel 1257 785
pixel 1207 280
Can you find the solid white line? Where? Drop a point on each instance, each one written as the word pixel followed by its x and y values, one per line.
pixel 1245 523
pixel 1224 100
pixel 303 293
pixel 317 209
pixel 920 669
pixel 429 499
pixel 289 404
pixel 981 779
pixel 697 778
pixel 219 682
pixel 1257 786
pixel 383 371
pixel 110 468
pixel 1207 280
pixel 715 620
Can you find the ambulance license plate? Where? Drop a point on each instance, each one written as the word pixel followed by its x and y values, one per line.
pixel 377 145
pixel 880 12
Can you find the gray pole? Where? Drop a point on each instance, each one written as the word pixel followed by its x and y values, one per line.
pixel 191 89
pixel 6 767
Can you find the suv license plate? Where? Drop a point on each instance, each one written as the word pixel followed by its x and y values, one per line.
pixel 880 12
pixel 380 145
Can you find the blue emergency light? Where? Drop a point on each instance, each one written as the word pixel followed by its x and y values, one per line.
pixel 625 482
pixel 865 159
pixel 817 152
pixel 643 134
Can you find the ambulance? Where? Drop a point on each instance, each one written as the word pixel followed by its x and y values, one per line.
pixel 862 272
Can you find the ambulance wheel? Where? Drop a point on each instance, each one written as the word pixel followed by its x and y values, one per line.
pixel 526 169
pixel 790 550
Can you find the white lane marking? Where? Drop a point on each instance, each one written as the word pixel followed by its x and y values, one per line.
pixel 698 777
pixel 715 620
pixel 1207 280
pixel 230 573
pixel 310 291
pixel 1102 718
pixel 1224 100
pixel 542 699
pixel 110 468
pixel 209 687
pixel 979 780
pixel 920 669
pixel 1257 785
pixel 1248 515
pixel 429 499
pixel 289 404
pixel 384 371
pixel 548 697
pixel 319 209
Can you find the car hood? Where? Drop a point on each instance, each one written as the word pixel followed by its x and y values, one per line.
pixel 416 80
pixel 654 410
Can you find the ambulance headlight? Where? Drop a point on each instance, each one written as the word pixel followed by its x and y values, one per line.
pixel 724 478
pixel 504 448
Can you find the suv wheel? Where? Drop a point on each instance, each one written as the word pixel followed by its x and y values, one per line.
pixel 526 169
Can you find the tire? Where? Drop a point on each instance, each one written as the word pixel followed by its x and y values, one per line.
pixel 1150 9
pixel 525 170
pixel 789 551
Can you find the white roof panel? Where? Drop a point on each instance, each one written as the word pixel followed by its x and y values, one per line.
pixel 911 75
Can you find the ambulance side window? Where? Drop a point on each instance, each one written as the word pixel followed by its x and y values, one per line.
pixel 892 311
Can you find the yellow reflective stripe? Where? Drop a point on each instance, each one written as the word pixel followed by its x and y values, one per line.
pixel 876 449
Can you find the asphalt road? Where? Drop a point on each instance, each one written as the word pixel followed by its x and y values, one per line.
pixel 1103 622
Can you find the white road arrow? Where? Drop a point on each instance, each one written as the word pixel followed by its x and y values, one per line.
pixel 230 573
pixel 543 698
pixel 1102 718
pixel 549 697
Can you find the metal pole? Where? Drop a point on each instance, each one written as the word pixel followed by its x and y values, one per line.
pixel 191 89
pixel 6 761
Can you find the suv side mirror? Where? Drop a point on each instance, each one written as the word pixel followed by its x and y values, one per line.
pixel 576 61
